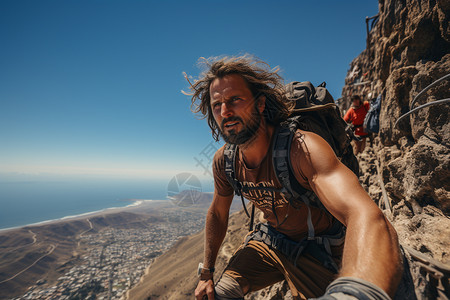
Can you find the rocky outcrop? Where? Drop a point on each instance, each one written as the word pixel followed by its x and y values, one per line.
pixel 407 50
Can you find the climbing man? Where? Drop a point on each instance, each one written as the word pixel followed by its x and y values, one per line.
pixel 243 102
pixel 355 115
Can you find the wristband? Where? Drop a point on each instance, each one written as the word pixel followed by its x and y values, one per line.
pixel 205 273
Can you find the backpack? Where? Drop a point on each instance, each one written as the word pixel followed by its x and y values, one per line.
pixel 314 111
pixel 372 119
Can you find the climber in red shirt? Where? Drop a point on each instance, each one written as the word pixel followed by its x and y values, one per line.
pixel 356 115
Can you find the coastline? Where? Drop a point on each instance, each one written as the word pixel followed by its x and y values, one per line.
pixel 135 204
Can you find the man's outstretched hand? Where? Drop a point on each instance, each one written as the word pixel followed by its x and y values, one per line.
pixel 205 290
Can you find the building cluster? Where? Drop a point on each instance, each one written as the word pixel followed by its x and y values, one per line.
pixel 114 259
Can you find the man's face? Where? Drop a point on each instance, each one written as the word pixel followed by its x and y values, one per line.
pixel 237 114
pixel 356 102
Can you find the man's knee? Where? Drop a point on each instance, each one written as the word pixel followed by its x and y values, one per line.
pixel 228 288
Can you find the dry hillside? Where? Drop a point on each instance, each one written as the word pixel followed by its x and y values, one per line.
pixel 173 275
pixel 47 251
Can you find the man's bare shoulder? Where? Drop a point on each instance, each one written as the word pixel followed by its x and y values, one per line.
pixel 307 143
pixel 310 153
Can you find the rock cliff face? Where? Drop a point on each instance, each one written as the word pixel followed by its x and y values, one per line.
pixel 407 49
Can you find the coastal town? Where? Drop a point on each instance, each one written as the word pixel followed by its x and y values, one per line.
pixel 114 259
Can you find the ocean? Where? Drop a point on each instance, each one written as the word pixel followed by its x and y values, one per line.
pixel 33 201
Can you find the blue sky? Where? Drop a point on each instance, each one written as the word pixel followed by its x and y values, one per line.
pixel 94 87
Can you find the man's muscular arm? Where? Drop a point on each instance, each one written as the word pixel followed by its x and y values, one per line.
pixel 371 250
pixel 215 230
pixel 216 227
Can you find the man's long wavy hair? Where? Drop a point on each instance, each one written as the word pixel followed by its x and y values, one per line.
pixel 260 79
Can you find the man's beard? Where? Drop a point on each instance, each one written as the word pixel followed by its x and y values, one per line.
pixel 247 132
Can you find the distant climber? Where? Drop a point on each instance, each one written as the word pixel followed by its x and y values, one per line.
pixel 355 115
pixel 244 103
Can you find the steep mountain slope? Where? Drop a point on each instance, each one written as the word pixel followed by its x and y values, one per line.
pixel 173 275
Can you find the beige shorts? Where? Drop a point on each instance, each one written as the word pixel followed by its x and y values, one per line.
pixel 255 266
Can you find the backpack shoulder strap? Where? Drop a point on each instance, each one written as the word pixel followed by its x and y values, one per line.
pixel 229 155
pixel 292 189
pixel 280 159
pixel 282 165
